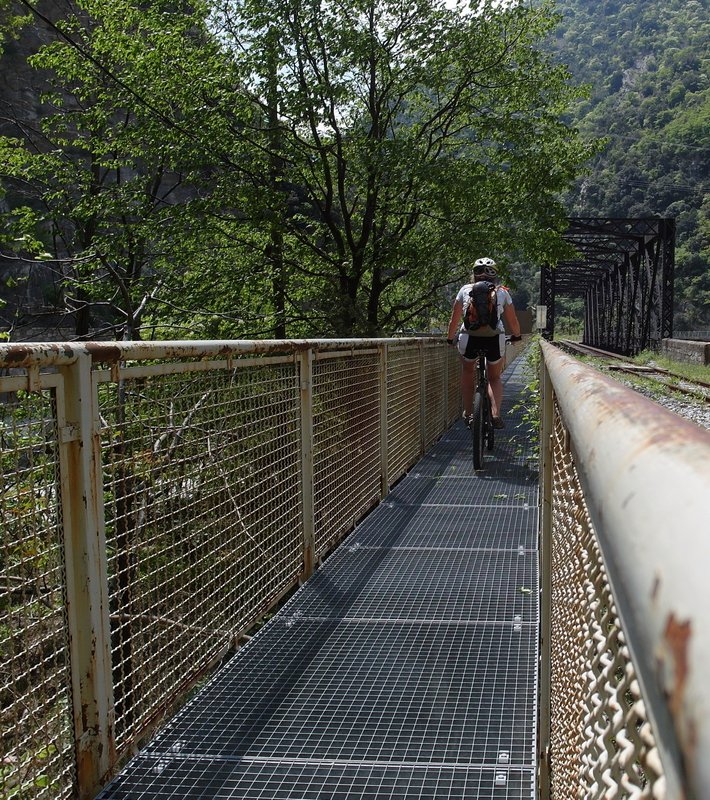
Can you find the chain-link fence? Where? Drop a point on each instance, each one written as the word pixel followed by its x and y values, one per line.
pixel 600 733
pixel 157 500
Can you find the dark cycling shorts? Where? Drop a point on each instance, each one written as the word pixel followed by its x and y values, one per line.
pixel 470 345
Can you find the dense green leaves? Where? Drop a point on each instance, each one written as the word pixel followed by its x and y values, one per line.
pixel 406 155
pixel 647 64
pixel 290 167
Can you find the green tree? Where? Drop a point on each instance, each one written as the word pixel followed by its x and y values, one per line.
pixel 291 168
pixel 112 181
pixel 409 138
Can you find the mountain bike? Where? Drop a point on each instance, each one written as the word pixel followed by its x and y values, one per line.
pixel 481 420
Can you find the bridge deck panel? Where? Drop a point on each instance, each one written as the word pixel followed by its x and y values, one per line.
pixel 251 779
pixel 427 584
pixel 456 525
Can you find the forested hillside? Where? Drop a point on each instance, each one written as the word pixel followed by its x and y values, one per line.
pixel 227 168
pixel 647 66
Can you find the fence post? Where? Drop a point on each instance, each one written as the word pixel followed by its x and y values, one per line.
pixel 384 432
pixel 305 360
pixel 86 576
pixel 546 458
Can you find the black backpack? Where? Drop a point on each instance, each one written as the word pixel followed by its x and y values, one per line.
pixel 481 307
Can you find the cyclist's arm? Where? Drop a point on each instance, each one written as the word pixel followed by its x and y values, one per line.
pixel 510 318
pixel 455 321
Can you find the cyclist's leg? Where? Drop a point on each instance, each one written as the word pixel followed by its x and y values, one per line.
pixel 468 372
pixel 495 369
pixel 468 380
pixel 478 427
pixel 495 386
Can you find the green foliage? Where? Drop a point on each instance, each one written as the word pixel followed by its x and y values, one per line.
pixel 569 317
pixel 288 168
pixel 529 403
pixel 125 130
pixel 415 136
pixel 646 63
pixel 11 23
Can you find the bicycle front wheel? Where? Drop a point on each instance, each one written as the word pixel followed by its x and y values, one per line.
pixel 477 432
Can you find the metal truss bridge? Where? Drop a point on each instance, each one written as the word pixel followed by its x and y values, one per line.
pixel 623 270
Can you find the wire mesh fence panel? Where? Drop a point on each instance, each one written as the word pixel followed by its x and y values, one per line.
pixel 158 509
pixel 403 409
pixel 203 521
pixel 600 735
pixel 346 443
pixel 453 377
pixel 435 400
pixel 37 748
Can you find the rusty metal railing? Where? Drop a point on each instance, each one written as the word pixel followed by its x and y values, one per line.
pixel 625 592
pixel 157 499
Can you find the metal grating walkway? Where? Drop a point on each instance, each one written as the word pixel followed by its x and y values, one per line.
pixel 405 668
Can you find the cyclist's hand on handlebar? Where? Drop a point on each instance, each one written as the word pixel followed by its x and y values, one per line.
pixel 453 341
pixel 516 339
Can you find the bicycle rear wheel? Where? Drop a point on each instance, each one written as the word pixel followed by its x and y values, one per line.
pixel 477 432
pixel 488 427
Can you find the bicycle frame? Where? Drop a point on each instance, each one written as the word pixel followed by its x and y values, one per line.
pixel 481 422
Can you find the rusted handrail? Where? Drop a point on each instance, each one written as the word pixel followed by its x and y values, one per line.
pixel 645 476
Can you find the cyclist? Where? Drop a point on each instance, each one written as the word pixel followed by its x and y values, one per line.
pixel 491 341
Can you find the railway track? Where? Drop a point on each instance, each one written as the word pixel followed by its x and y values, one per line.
pixel 698 391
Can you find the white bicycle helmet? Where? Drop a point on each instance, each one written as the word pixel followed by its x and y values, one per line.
pixel 485 268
